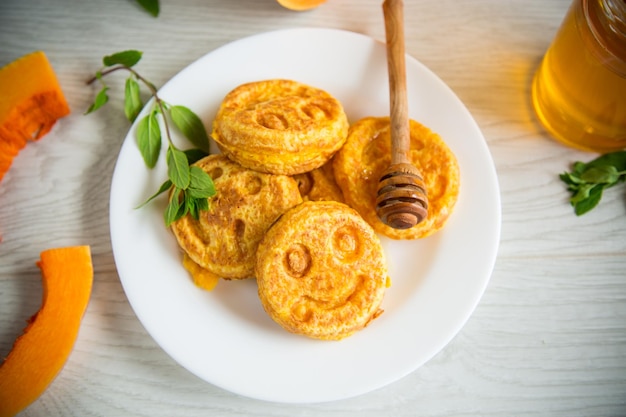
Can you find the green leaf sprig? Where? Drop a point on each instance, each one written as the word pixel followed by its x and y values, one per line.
pixel 587 181
pixel 150 6
pixel 189 186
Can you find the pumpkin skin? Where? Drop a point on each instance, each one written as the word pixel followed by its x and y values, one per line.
pixel 30 104
pixel 39 354
pixel 301 5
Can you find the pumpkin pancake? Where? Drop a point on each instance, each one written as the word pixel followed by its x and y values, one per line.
pixel 224 239
pixel 367 153
pixel 321 271
pixel 319 184
pixel 280 126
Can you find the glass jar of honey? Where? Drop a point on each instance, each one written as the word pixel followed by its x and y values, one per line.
pixel 579 90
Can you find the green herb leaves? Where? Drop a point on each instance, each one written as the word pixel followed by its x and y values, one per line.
pixel 588 180
pixel 101 99
pixel 177 167
pixel 132 99
pixel 125 58
pixel 120 60
pixel 151 6
pixel 191 126
pixel 149 139
pixel 191 199
pixel 200 184
pixel 189 186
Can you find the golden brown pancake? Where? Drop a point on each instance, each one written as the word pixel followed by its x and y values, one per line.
pixel 321 271
pixel 319 184
pixel 367 153
pixel 280 126
pixel 224 239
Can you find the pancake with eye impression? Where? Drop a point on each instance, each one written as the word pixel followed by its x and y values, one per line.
pixel 280 126
pixel 319 184
pixel 359 165
pixel 224 239
pixel 321 271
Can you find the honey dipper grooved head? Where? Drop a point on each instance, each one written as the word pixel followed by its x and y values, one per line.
pixel 401 201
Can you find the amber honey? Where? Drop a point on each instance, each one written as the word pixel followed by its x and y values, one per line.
pixel 579 90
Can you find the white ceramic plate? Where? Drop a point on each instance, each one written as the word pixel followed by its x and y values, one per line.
pixel 224 336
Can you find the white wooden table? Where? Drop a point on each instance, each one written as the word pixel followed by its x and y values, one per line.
pixel 549 335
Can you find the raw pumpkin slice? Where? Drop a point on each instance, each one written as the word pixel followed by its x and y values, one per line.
pixel 300 5
pixel 30 104
pixel 40 353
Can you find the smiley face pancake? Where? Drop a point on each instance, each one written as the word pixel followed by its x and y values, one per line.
pixel 367 153
pixel 224 239
pixel 280 126
pixel 321 271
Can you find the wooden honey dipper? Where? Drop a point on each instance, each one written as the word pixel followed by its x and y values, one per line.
pixel 402 200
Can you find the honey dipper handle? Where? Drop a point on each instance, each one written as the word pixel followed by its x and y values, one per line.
pixel 393 11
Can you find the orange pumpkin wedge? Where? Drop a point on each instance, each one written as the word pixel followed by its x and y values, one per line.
pixel 300 5
pixel 40 353
pixel 31 101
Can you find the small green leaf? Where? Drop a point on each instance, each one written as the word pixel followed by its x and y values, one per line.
pixel 616 159
pixel 192 207
pixel 183 209
pixel 602 174
pixel 177 167
pixel 164 187
pixel 582 193
pixel 101 99
pixel 173 208
pixel 570 178
pixel 203 204
pixel 132 99
pixel 149 139
pixel 578 168
pixel 200 185
pixel 124 58
pixel 151 6
pixel 194 155
pixel 190 125
pixel 594 196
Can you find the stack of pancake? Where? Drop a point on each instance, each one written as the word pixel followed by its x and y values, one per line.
pixel 296 186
